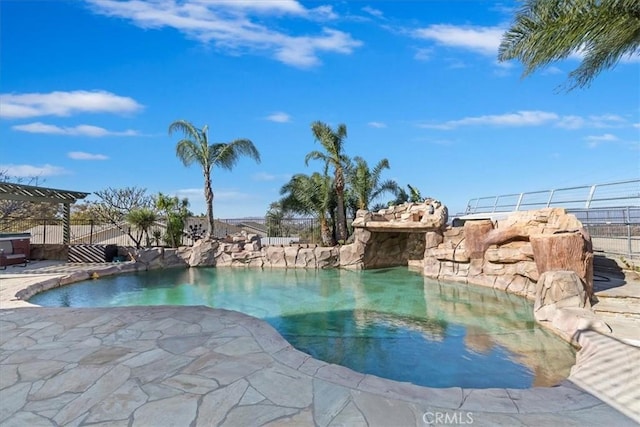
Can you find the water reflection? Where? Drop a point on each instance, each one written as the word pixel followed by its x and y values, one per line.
pixel 389 322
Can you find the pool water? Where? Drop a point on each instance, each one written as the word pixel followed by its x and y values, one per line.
pixel 393 323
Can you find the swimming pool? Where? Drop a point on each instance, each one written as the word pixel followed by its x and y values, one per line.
pixel 393 322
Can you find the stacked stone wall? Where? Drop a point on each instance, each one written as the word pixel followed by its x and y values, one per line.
pixel 511 254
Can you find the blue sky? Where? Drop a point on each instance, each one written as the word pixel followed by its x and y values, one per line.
pixel 89 88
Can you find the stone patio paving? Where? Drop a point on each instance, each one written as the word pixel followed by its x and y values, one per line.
pixel 181 366
pixel 197 366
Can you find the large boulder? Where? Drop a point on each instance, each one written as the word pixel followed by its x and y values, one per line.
pixel 434 215
pixel 557 290
pixel 570 250
pixel 274 256
pixel 327 257
pixel 203 253
pixel 474 235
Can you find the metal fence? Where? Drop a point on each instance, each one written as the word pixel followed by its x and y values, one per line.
pixel 615 194
pixel 278 231
pixel 91 232
pixel 612 230
pixel 610 212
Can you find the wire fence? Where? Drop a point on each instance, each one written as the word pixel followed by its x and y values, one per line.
pixel 90 232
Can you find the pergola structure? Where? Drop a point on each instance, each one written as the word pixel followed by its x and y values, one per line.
pixel 30 193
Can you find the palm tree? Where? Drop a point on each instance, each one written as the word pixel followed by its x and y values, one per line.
pixel 310 195
pixel 414 194
pixel 365 184
pixel 175 212
pixel 544 31
pixel 332 141
pixel 402 196
pixel 141 219
pixel 195 148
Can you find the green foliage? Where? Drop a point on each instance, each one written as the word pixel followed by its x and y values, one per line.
pixel 402 196
pixel 545 31
pixel 310 195
pixel 366 185
pixel 195 148
pixel 333 143
pixel 175 212
pixel 116 204
pixel 414 194
pixel 141 219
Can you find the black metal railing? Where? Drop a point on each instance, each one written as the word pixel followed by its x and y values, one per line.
pixel 90 232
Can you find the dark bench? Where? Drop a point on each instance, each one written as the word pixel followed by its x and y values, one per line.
pixel 10 255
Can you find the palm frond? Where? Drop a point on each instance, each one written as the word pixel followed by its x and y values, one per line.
pixel 226 155
pixel 545 31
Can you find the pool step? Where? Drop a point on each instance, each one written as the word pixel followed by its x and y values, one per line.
pixel 618 306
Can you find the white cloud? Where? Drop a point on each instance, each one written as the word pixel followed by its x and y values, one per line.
pixel 29 171
pixel 532 118
pixel 484 40
pixel 593 121
pixel 571 122
pixel 606 120
pixel 378 125
pixel 423 54
pixel 636 125
pixel 20 106
pixel 374 12
pixel 261 6
pixel 80 155
pixel 230 27
pixel 80 130
pixel 193 194
pixel 264 176
pixel 520 118
pixel 595 140
pixel 602 138
pixel 551 70
pixel 197 195
pixel 279 117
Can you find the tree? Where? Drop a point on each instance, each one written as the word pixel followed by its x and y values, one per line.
pixel 311 195
pixel 115 205
pixel 414 194
pixel 141 219
pixel 365 184
pixel 195 148
pixel 402 196
pixel 545 31
pixel 175 212
pixel 332 141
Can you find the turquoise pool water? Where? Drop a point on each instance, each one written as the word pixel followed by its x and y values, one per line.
pixel 393 322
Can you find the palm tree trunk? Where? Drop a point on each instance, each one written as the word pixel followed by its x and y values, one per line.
pixel 340 214
pixel 325 233
pixel 208 197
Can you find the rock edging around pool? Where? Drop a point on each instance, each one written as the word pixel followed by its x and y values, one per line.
pixel 203 366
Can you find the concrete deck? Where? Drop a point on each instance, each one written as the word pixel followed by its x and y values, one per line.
pixel 143 366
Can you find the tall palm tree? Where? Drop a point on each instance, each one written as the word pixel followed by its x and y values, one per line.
pixel 332 141
pixel 544 31
pixel 365 184
pixel 311 195
pixel 195 148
